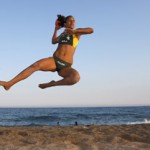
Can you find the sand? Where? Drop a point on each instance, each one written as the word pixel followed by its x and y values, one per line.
pixel 114 137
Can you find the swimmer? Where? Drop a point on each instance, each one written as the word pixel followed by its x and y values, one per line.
pixel 62 59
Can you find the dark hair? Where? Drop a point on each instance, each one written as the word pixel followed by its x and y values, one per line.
pixel 62 20
pixel 68 17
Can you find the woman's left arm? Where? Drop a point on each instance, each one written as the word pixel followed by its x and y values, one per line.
pixel 79 31
pixel 82 31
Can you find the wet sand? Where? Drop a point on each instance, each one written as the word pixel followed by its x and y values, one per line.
pixel 114 137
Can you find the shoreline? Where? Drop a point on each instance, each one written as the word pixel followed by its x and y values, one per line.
pixel 81 137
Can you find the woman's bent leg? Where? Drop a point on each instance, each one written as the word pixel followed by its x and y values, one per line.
pixel 70 77
pixel 46 64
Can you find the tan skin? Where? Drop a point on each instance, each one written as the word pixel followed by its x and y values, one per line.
pixel 65 52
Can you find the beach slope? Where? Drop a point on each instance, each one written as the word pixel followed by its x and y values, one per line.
pixel 112 137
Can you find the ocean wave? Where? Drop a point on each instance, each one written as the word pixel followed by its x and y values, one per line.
pixel 39 118
pixel 145 121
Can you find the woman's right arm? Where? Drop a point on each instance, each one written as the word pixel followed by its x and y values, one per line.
pixel 55 39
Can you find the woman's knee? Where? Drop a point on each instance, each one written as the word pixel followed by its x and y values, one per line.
pixel 75 78
pixel 71 76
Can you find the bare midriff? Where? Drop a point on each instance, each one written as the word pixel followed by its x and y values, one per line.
pixel 65 52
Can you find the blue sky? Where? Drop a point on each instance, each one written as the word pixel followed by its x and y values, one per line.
pixel 113 62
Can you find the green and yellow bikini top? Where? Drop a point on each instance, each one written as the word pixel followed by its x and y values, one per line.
pixel 66 38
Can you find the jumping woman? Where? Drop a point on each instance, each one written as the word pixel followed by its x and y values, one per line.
pixel 62 59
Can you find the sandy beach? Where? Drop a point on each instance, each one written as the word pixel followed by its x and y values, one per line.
pixel 114 137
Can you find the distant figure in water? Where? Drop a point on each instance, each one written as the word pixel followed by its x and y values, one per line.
pixel 58 123
pixel 76 123
pixel 62 59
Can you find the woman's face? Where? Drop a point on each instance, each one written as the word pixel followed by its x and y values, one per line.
pixel 70 23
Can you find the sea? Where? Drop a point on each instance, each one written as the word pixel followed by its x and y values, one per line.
pixel 70 116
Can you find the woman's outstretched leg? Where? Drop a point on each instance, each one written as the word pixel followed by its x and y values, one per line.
pixel 70 77
pixel 46 64
pixel 21 76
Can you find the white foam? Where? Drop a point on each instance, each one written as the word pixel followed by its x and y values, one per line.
pixel 146 121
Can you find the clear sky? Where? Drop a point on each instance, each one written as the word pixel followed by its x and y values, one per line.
pixel 114 61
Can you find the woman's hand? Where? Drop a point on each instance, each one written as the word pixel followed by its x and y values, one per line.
pixel 57 27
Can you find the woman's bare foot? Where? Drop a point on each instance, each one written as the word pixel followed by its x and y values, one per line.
pixel 5 85
pixel 45 85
